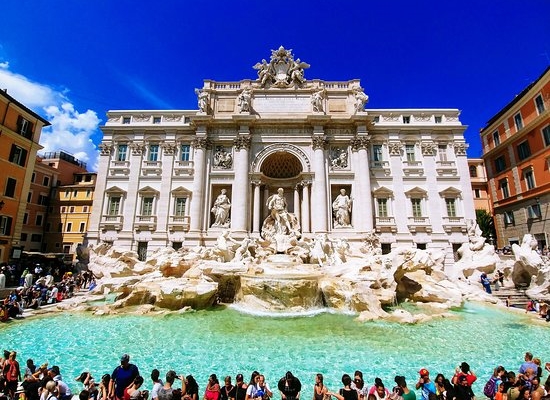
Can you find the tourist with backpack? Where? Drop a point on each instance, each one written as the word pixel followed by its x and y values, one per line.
pixel 491 387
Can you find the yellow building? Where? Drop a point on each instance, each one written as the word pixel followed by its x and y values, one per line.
pixel 480 188
pixel 72 206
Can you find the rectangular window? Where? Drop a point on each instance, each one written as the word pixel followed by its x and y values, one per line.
pixel 25 218
pixel 523 150
pixel 82 227
pixel 156 120
pixel 63 210
pixel 69 226
pixel 24 237
pixel 477 193
pixel 147 206
pixel 5 225
pixel 508 217
pixel 24 127
pixel 179 210
pixel 438 119
pixel 409 152
pixel 406 119
pixel 122 152
pixel 442 150
pixel 35 237
pixel 29 197
pixel 67 193
pixel 382 207
pixel 33 177
pixel 10 187
pixel 377 152
pixel 534 211
pixel 114 205
pixel 46 181
pixel 451 207
pixel 88 193
pixel 539 101
pixel 18 155
pixel 39 219
pixel 529 177
pixel 154 152
pixel 42 200
pixel 84 209
pixel 416 207
pixel 518 121
pixel 75 193
pixel 71 209
pixel 126 120
pixel 185 152
pixel 496 138
pixel 500 164
pixel 504 188
pixel 546 135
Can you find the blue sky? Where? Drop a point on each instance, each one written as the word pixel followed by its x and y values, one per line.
pixel 72 60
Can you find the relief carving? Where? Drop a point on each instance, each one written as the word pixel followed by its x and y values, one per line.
pixel 395 148
pixel 105 149
pixel 242 142
pixel 339 158
pixel 428 148
pixel 282 71
pixel 200 143
pixel 137 148
pixel 222 158
pixel 318 142
pixel 360 142
pixel 460 148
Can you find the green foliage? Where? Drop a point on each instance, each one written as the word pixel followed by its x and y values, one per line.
pixel 486 223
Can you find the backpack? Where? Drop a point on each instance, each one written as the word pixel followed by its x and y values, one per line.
pixel 490 387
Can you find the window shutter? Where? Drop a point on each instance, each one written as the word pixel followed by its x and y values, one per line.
pixel 23 160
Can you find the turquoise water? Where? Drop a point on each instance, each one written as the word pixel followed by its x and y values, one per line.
pixel 226 342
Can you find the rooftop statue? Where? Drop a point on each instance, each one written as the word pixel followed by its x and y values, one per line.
pixel 282 70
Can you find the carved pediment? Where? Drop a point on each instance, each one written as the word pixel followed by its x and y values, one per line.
pixel 416 192
pixel 451 192
pixel 383 192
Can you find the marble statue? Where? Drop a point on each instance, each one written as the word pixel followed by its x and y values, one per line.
pixel 222 159
pixel 282 70
pixel 221 208
pixel 341 207
pixel 360 100
pixel 339 158
pixel 317 100
pixel 244 100
pixel 279 221
pixel 202 100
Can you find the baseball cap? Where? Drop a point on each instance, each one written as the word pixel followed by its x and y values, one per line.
pixel 423 372
pixel 125 357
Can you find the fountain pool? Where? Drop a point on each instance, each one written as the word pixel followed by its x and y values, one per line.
pixel 226 342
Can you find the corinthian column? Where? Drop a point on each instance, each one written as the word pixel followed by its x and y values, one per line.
pixel 305 206
pixel 197 200
pixel 362 199
pixel 256 211
pixel 319 188
pixel 240 200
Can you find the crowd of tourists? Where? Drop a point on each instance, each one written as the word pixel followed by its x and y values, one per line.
pixel 126 383
pixel 36 290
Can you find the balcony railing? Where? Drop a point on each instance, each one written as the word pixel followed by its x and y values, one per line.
pixel 111 222
pixel 145 222
pixel 179 223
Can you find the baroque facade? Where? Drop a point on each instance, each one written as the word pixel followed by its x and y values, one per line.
pixel 173 178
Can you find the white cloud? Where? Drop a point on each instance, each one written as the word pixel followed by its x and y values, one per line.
pixel 70 130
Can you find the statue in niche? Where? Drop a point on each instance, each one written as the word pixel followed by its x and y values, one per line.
pixel 202 96
pixel 221 208
pixel 339 158
pixel 317 100
pixel 360 100
pixel 279 221
pixel 222 158
pixel 244 100
pixel 341 207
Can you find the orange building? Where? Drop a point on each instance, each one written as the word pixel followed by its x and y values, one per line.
pixel 20 130
pixel 516 151
pixel 478 176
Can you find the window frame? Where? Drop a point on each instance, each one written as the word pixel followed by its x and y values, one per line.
pixel 539 104
pixel 518 121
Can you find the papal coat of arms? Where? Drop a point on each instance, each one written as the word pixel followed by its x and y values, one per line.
pixel 282 70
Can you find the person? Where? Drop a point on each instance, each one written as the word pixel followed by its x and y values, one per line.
pixel 290 387
pixel 462 390
pixel 212 391
pixel 464 370
pixel 277 205
pixel 486 282
pixel 252 388
pixel 379 390
pixel 320 391
pixel 240 387
pixel 345 393
pixel 12 374
pixel 88 382
pixel 227 392
pixel 528 363
pixel 133 392
pixel 404 391
pixel 103 390
pixel 221 208
pixel 424 383
pixel 168 392
pixel 191 391
pixel 317 100
pixel 264 391
pixel 51 391
pixel 157 383
pixel 491 387
pixel 64 392
pixel 341 206
pixel 122 376
pixel 358 384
